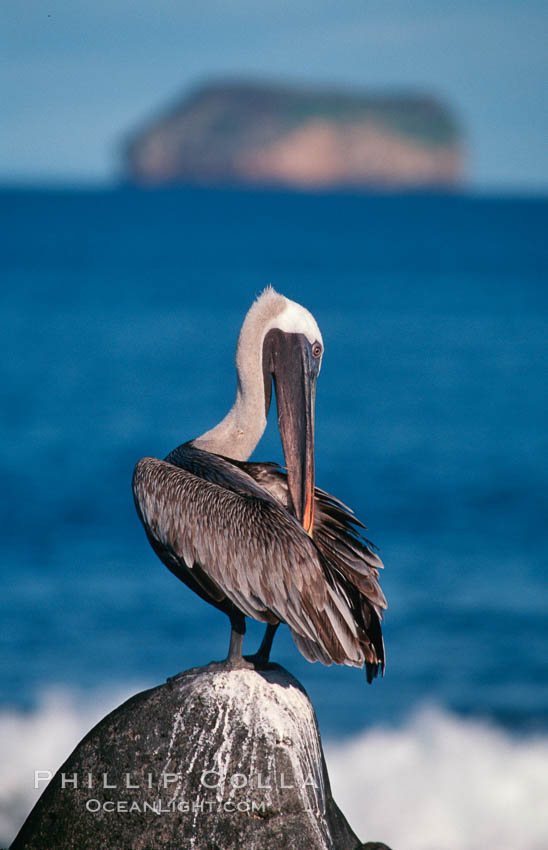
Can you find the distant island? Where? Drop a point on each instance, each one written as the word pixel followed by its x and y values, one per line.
pixel 260 134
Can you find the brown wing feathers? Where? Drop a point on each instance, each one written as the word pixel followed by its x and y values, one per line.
pixel 349 560
pixel 224 523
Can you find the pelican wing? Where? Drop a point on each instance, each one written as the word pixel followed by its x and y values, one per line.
pixel 209 517
pixel 353 564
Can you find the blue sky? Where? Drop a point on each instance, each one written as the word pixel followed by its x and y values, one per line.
pixel 78 73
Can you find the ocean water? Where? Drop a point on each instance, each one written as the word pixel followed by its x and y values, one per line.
pixel 119 315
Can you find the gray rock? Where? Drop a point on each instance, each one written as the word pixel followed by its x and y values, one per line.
pixel 218 760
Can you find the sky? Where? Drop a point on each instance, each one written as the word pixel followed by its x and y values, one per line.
pixel 78 74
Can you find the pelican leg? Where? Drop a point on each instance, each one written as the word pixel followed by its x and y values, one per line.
pixel 234 659
pixel 262 656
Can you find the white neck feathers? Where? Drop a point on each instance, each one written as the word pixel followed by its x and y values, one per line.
pixel 239 432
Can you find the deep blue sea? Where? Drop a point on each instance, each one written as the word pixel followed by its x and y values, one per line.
pixel 119 315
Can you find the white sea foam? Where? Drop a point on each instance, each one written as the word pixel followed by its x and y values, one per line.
pixel 42 740
pixel 437 782
pixel 441 782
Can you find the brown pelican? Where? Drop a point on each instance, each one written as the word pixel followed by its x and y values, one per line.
pixel 249 538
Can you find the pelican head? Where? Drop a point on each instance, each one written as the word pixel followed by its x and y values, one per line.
pixel 291 358
pixel 279 343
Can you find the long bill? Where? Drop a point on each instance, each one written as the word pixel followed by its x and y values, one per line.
pixel 295 372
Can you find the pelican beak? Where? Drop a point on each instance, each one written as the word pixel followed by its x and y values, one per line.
pixel 294 369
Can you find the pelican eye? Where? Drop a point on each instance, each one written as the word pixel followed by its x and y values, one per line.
pixel 316 349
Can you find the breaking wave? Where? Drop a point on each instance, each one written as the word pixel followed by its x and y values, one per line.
pixel 41 740
pixel 441 782
pixel 437 782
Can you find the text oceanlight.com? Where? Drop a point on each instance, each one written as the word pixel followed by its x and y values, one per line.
pixel 160 807
pixel 211 779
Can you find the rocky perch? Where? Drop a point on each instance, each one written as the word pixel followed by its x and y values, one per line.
pixel 210 760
